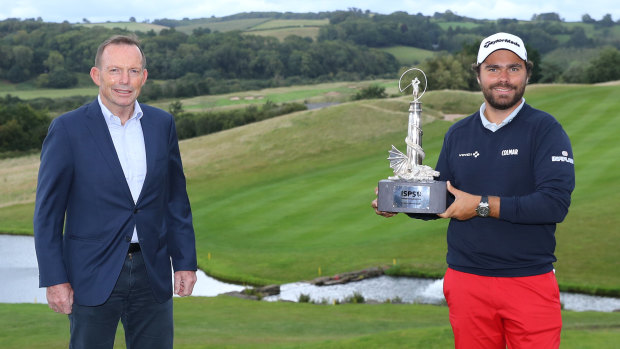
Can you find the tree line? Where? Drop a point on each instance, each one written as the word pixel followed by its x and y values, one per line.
pixel 51 54
pixel 205 62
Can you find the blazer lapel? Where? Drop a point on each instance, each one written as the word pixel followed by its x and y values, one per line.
pixel 101 135
pixel 150 147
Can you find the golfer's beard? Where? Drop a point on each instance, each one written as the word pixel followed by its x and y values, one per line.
pixel 503 104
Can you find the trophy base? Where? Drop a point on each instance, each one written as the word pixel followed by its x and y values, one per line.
pixel 412 197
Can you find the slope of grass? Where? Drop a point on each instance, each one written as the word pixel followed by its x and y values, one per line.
pixel 223 26
pixel 276 200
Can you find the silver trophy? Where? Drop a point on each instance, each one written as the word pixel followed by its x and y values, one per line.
pixel 413 188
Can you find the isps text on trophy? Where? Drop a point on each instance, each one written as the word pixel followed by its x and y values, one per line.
pixel 413 188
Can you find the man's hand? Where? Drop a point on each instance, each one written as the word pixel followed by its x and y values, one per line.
pixel 381 213
pixel 184 281
pixel 60 298
pixel 464 205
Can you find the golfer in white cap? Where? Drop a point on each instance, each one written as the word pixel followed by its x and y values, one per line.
pixel 513 167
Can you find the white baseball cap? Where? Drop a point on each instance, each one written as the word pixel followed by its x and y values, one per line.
pixel 501 41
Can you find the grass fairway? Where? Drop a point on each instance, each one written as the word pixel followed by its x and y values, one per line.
pixel 226 322
pixel 276 200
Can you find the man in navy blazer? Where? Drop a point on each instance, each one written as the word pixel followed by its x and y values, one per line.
pixel 111 174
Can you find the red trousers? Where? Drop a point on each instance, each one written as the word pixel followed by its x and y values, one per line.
pixel 495 312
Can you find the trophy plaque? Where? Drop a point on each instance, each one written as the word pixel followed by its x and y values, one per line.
pixel 413 188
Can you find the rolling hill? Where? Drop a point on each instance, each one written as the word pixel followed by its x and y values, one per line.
pixel 276 200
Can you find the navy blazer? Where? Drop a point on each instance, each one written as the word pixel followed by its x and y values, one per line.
pixel 81 185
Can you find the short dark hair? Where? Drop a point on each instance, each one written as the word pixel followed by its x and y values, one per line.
pixel 119 40
pixel 529 65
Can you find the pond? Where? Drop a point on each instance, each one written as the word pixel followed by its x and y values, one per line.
pixel 19 275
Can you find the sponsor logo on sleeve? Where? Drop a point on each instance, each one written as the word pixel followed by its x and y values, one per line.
pixel 563 158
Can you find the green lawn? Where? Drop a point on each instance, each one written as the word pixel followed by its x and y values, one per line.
pixel 226 322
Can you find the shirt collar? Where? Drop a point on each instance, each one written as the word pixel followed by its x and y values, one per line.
pixel 494 127
pixel 111 118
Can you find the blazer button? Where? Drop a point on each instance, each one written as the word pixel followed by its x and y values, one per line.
pixel 135 210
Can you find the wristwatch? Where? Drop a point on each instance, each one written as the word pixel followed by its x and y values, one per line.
pixel 483 208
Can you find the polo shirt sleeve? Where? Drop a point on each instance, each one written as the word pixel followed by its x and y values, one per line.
pixel 554 176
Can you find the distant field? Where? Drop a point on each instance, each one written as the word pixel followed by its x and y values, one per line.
pixel 290 23
pixel 51 93
pixel 320 93
pixel 409 55
pixel 224 26
pixel 454 25
pixel 281 28
pixel 282 33
pixel 131 26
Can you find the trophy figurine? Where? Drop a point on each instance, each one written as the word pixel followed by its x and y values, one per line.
pixel 413 188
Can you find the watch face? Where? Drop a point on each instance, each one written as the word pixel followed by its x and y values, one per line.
pixel 483 211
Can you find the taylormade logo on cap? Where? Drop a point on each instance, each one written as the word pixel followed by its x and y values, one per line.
pixel 501 41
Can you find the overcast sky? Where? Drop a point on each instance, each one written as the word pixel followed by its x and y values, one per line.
pixel 121 10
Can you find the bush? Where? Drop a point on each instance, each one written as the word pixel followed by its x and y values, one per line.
pixel 192 125
pixel 21 127
pixel 356 298
pixel 371 92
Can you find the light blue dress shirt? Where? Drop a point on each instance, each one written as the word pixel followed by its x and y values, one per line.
pixel 128 141
pixel 494 127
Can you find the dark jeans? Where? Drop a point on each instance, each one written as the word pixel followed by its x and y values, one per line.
pixel 147 324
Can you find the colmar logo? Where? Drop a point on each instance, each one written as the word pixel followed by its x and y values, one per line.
pixel 508 152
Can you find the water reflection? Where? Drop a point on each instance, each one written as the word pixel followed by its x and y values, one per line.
pixel 20 274
pixel 413 290
pixel 20 284
pixel 380 289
